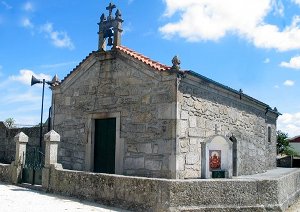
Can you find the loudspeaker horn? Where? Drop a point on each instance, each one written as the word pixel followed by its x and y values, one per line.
pixel 35 80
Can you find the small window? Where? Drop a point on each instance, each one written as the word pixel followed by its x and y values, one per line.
pixel 269 134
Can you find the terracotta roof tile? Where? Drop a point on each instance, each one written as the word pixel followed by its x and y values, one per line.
pixel 158 66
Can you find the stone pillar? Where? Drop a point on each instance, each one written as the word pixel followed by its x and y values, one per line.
pixel 51 139
pixel 21 140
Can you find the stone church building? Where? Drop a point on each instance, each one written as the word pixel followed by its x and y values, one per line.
pixel 121 112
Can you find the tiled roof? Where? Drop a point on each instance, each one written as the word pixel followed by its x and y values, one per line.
pixel 295 139
pixel 154 64
pixel 161 67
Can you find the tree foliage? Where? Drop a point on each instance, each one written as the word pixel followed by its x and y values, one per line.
pixel 10 122
pixel 283 144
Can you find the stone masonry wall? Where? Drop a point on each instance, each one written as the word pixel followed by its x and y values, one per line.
pixel 273 192
pixel 8 145
pixel 5 172
pixel 205 111
pixel 145 100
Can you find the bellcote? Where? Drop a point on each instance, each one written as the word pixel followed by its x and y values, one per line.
pixel 110 28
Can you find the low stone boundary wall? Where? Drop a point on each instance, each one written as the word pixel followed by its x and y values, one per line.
pixel 134 193
pixel 273 190
pixel 7 144
pixel 5 172
pixel 148 194
pixel 289 188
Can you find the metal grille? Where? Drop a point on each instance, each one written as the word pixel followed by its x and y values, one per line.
pixel 32 168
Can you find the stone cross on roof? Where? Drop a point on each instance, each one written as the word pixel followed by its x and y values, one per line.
pixel 110 29
pixel 110 8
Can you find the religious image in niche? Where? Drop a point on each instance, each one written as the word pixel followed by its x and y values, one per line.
pixel 214 159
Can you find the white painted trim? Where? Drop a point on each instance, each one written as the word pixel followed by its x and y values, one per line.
pixel 206 173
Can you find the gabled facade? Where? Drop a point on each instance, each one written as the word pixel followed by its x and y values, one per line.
pixel 121 112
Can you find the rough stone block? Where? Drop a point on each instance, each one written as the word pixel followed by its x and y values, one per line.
pixel 137 128
pixel 194 141
pixel 132 148
pixel 153 165
pixel 183 128
pixel 79 155
pixel 180 162
pixel 196 132
pixel 107 100
pixel 78 166
pixel 184 145
pixel 166 111
pixel 193 121
pixel 195 167
pixel 155 148
pixel 194 148
pixel 191 174
pixel 184 115
pixel 165 147
pixel 146 148
pixel 134 162
pixel 68 101
pixel 146 99
pixel 192 158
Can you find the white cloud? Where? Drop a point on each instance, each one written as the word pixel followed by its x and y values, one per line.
pixel 25 22
pixel 278 7
pixel 296 2
pixel 212 20
pixel 127 28
pixel 289 83
pixel 21 101
pixel 269 36
pixel 267 60
pixel 28 6
pixel 58 38
pixel 293 63
pixel 289 123
pixel 58 65
pixel 6 5
pixel 25 76
pixel 28 96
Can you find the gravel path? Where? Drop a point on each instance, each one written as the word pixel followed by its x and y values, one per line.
pixel 295 207
pixel 19 199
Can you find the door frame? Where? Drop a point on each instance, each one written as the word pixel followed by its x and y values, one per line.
pixel 119 151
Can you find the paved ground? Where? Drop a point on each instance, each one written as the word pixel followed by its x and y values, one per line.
pixel 295 207
pixel 269 174
pixel 19 199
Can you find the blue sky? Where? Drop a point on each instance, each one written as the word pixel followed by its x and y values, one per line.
pixel 253 45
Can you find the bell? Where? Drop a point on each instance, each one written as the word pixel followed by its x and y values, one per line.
pixel 35 80
pixel 110 41
pixel 108 33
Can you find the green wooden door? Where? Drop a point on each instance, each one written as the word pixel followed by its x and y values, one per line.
pixel 105 145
